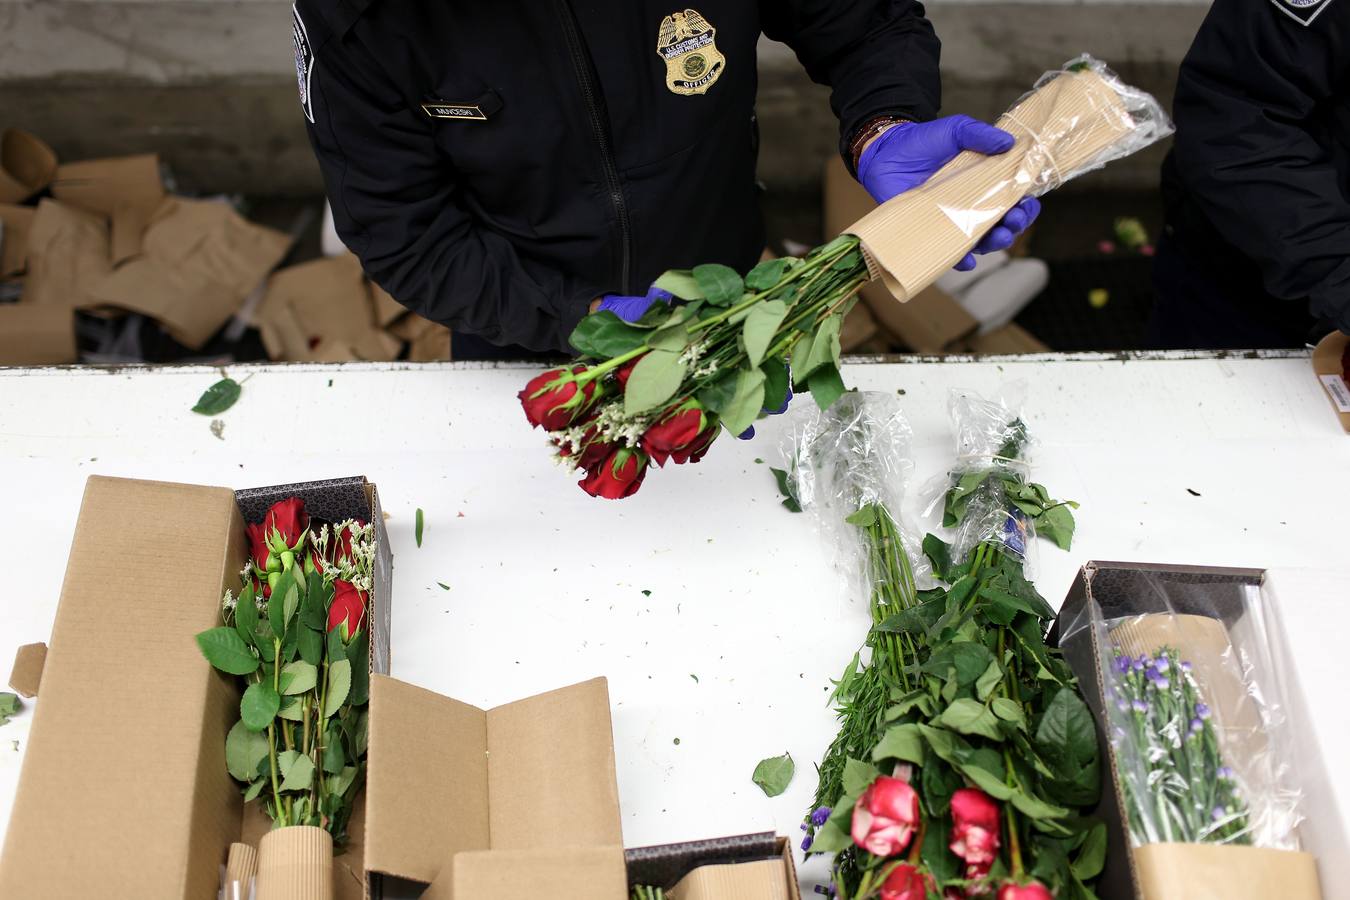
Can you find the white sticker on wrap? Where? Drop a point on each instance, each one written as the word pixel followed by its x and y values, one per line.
pixel 1338 390
pixel 304 61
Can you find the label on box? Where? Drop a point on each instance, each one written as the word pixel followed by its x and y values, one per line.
pixel 1338 390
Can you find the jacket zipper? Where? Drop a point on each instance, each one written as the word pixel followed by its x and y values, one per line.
pixel 584 68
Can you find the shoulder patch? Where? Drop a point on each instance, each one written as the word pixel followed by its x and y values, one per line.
pixel 304 61
pixel 1302 11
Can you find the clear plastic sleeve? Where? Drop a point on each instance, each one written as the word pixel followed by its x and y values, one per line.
pixel 1076 119
pixel 853 455
pixel 991 439
pixel 1195 710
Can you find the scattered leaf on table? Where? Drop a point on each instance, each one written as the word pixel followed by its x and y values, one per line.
pixel 785 488
pixel 444 586
pixel 774 774
pixel 218 397
pixel 646 593
pixel 693 676
pixel 417 529
pixel 9 705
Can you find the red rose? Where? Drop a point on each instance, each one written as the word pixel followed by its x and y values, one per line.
pixel 696 451
pixel 675 432
pixel 287 520
pixel 905 883
pixel 1031 891
pixel 885 816
pixel 975 830
pixel 556 399
pixel 257 542
pixel 619 475
pixel 347 613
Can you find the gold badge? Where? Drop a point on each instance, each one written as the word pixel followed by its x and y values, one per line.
pixel 688 44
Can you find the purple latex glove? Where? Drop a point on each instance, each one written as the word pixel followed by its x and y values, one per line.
pixel 630 309
pixel 907 155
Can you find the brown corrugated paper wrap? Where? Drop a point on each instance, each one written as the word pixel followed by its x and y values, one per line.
pixel 296 863
pixel 1074 121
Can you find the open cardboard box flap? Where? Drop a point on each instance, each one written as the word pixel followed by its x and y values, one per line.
pixel 1327 363
pixel 126 189
pixel 447 778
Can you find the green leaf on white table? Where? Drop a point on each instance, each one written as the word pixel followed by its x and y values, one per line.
pixel 226 650
pixel 720 284
pixel 681 283
pixel 654 381
pixel 244 750
pixel 259 706
pixel 417 526
pixel 790 502
pixel 443 585
pixel 774 774
pixel 339 684
pixel 9 705
pixel 768 273
pixel 747 402
pixel 760 326
pixel 218 397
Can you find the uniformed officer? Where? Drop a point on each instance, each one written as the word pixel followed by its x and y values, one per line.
pixel 506 167
pixel 1256 249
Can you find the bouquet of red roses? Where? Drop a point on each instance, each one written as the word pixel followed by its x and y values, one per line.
pixel 661 389
pixel 297 637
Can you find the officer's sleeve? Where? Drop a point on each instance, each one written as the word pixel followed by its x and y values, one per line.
pixel 880 57
pixel 1245 94
pixel 397 205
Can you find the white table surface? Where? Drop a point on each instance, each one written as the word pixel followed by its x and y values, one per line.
pixel 1219 461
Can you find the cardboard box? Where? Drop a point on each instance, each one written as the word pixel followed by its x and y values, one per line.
pixel 26 165
pixel 1198 610
pixel 127 190
pixel 1008 340
pixel 459 802
pixel 1328 361
pixel 131 799
pixel 929 322
pixel 33 335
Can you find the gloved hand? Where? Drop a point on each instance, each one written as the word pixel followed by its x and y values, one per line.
pixel 630 309
pixel 907 155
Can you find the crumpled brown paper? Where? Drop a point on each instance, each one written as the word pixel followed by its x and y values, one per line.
pixel 26 165
pixel 200 260
pixel 15 223
pixel 323 311
pixel 67 256
pixel 128 190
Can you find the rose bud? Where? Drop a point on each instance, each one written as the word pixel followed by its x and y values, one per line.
pixel 555 399
pixel 975 829
pixel 676 431
pixel 285 524
pixel 885 816
pixel 695 451
pixel 619 475
pixel 905 883
pixel 347 613
pixel 1032 890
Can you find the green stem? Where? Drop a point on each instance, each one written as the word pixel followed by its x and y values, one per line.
pixel 1014 841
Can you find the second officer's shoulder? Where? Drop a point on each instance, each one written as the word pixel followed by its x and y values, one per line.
pixel 1315 15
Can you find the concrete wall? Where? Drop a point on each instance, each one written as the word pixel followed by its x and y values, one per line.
pixel 211 85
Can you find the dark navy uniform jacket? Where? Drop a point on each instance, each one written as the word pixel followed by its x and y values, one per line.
pixel 499 164
pixel 1258 184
